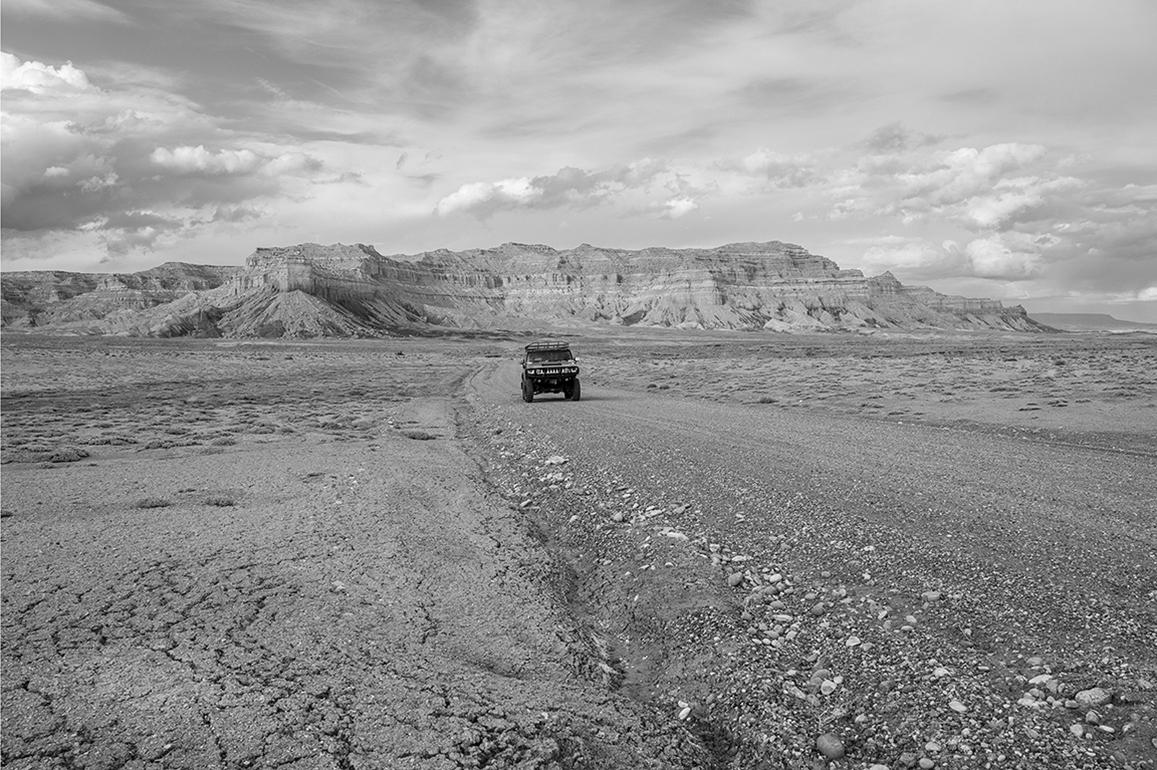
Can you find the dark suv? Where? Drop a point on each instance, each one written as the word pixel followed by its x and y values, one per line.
pixel 549 367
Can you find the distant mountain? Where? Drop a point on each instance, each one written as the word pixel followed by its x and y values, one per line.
pixel 310 290
pixel 51 298
pixel 1092 322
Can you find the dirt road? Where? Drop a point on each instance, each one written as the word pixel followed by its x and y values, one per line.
pixel 964 586
pixel 459 579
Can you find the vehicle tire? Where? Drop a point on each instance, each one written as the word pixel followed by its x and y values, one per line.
pixel 576 391
pixel 527 390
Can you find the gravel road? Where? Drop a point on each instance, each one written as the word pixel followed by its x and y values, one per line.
pixel 328 571
pixel 919 596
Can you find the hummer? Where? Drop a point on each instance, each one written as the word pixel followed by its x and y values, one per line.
pixel 549 367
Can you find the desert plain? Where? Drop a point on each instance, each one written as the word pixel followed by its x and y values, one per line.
pixel 738 550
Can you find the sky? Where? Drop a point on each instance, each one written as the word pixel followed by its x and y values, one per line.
pixel 986 148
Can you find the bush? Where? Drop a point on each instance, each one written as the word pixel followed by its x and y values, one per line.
pixel 152 502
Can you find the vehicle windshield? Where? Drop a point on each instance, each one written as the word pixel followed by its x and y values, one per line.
pixel 548 356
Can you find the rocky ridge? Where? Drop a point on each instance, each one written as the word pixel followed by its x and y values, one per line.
pixel 312 290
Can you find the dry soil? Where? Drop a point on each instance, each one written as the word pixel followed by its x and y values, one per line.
pixel 737 551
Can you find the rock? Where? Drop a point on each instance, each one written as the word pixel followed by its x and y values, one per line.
pixel 957 706
pixel 930 596
pixel 818 609
pixel 734 579
pixel 830 746
pixel 1094 696
pixel 617 517
pixel 1077 729
pixel 852 641
pixel 555 460
pixel 828 687
pixel 926 763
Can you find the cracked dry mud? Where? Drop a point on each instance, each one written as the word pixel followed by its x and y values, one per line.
pixel 360 555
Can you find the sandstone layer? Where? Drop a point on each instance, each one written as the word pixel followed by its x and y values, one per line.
pixel 310 290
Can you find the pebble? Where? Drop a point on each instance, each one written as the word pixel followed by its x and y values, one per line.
pixel 818 609
pixel 930 596
pixel 926 763
pixel 852 641
pixel 734 579
pixel 1077 729
pixel 830 746
pixel 957 706
pixel 828 687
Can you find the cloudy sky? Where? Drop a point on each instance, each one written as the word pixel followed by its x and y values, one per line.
pixel 989 148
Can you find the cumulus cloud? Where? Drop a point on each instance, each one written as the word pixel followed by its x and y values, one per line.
pixel 198 160
pixel 1002 215
pixel 38 78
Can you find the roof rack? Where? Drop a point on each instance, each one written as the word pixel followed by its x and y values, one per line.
pixel 552 345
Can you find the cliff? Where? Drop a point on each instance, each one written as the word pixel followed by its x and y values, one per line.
pixel 42 298
pixel 312 290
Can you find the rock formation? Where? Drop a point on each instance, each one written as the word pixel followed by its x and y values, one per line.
pixel 311 290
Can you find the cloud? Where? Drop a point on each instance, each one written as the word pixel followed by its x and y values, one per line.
pixel 569 187
pixel 778 169
pixel 678 207
pixel 86 10
pixel 83 155
pixel 894 138
pixel 198 160
pixel 38 78
pixel 1007 256
pixel 917 258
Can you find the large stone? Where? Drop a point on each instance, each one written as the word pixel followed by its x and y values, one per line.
pixel 830 745
pixel 1094 696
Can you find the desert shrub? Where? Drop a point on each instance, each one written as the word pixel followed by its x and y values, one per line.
pixel 152 502
pixel 67 454
pixel 419 435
